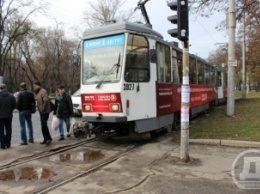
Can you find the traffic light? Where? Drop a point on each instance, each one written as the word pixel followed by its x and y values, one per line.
pixel 181 19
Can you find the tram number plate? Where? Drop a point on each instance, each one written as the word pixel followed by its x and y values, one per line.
pixel 129 86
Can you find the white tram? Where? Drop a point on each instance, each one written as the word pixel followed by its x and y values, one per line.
pixel 130 79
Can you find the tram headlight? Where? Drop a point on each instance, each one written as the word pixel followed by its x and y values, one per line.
pixel 88 108
pixel 115 107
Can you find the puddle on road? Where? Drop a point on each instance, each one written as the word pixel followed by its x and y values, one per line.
pixel 26 173
pixel 86 156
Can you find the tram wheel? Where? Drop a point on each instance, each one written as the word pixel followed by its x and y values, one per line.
pixel 176 122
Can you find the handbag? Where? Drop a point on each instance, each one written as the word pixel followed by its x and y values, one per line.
pixel 55 123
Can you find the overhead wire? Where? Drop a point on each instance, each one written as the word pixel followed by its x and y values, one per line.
pixel 62 14
pixel 214 40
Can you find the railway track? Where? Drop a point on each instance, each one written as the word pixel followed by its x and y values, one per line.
pixel 52 152
pixel 43 172
pixel 87 171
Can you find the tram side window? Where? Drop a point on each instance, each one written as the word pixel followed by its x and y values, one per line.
pixel 201 74
pixel 180 65
pixel 167 68
pixel 193 71
pixel 163 63
pixel 207 74
pixel 219 80
pixel 175 70
pixel 137 61
pixel 212 73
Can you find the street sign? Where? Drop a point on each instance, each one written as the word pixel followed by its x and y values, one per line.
pixel 232 63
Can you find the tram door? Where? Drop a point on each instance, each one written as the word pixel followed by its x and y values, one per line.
pixel 138 87
pixel 221 86
pixel 163 63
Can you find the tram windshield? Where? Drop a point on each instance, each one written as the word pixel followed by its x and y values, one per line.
pixel 102 59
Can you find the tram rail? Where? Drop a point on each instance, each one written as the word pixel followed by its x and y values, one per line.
pixel 88 171
pixel 26 159
pixel 31 170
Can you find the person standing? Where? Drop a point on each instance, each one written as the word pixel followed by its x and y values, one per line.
pixel 7 105
pixel 25 105
pixel 63 110
pixel 44 110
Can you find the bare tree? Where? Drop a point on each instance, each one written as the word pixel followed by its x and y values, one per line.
pixel 218 57
pixel 27 48
pixel 206 8
pixel 103 11
pixel 251 10
pixel 51 58
pixel 14 17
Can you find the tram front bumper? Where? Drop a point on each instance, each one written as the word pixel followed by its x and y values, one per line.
pixel 104 119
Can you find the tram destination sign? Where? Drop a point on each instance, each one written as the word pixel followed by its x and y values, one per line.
pixel 104 42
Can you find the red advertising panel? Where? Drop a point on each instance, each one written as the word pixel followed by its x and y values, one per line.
pixel 101 103
pixel 164 98
pixel 201 94
pixel 168 97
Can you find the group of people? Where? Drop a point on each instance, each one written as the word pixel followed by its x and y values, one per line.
pixel 26 105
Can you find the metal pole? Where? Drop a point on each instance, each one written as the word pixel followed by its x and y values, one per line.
pixel 185 105
pixel 247 83
pixel 231 59
pixel 244 61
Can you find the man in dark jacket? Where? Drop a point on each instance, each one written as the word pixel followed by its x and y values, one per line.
pixel 7 105
pixel 25 105
pixel 63 110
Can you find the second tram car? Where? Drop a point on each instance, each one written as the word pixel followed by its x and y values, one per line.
pixel 131 79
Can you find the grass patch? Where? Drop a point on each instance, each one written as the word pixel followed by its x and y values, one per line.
pixel 244 125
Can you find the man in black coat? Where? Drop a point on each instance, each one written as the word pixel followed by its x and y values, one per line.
pixel 26 106
pixel 63 110
pixel 7 105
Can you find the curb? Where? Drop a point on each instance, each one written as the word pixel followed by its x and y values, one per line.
pixel 230 143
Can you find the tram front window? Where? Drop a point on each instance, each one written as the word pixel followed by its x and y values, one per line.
pixel 102 59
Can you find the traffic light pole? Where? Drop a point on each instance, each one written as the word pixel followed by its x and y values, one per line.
pixel 185 105
pixel 182 33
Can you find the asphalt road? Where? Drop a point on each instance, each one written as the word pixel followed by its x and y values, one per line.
pixel 16 140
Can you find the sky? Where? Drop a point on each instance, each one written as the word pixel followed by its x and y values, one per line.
pixel 203 37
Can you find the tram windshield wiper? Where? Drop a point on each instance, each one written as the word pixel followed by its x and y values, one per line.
pixel 115 68
pixel 117 65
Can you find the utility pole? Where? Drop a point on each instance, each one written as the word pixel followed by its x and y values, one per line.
pixel 185 105
pixel 244 60
pixel 231 59
pixel 182 33
pixel 247 83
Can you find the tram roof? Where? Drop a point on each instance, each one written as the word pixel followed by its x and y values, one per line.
pixel 120 27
